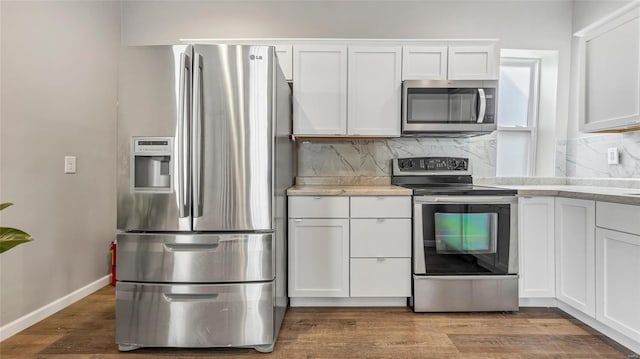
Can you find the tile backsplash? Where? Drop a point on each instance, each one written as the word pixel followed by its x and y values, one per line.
pixel 587 156
pixel 372 157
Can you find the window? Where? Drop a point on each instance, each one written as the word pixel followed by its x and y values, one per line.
pixel 517 116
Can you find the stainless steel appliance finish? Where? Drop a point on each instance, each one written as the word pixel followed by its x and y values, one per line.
pixel 465 238
pixel 195 258
pixel 441 108
pixel 182 315
pixel 220 223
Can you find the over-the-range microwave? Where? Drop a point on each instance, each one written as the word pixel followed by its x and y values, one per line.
pixel 448 108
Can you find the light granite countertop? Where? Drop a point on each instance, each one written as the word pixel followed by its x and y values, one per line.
pixel 348 190
pixel 596 193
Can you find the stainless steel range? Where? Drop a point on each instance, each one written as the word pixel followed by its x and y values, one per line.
pixel 465 242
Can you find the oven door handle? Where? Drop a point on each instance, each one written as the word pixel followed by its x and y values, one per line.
pixel 465 199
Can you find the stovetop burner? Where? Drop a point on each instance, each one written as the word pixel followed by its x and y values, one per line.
pixel 440 176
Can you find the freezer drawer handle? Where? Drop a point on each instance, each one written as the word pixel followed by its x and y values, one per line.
pixel 185 298
pixel 191 247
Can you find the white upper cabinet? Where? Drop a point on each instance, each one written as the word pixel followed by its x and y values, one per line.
pixel 320 90
pixel 285 59
pixel 610 74
pixel 374 90
pixel 473 63
pixel 424 62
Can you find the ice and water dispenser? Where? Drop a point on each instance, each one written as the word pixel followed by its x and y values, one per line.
pixel 152 164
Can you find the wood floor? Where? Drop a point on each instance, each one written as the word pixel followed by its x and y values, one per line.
pixel 86 330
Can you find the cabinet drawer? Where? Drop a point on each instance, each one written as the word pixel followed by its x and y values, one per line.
pixel 195 258
pixel 381 207
pixel 229 314
pixel 380 277
pixel 319 207
pixel 619 217
pixel 382 237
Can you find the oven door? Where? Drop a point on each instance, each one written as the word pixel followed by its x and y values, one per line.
pixel 465 235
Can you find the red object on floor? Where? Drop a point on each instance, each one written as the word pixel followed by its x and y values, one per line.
pixel 113 263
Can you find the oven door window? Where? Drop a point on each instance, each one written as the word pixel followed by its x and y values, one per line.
pixel 471 233
pixel 466 238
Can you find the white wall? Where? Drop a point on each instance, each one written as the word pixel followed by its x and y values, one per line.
pixel 540 25
pixel 58 97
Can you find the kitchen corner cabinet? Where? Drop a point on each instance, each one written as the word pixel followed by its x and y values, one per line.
pixel 610 74
pixel 618 267
pixel 347 91
pixel 537 247
pixel 478 62
pixel 575 253
pixel 357 247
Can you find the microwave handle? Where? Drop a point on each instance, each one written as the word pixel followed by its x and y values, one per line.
pixel 483 105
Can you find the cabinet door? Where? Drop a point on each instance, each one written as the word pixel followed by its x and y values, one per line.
pixel 320 90
pixel 575 253
pixel 285 59
pixel 610 86
pixel 617 269
pixel 537 247
pixel 318 257
pixel 473 63
pixel 374 91
pixel 424 63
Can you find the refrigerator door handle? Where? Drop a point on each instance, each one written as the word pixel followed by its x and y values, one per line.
pixel 197 135
pixel 183 136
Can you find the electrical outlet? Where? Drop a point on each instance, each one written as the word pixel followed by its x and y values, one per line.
pixel 69 164
pixel 612 156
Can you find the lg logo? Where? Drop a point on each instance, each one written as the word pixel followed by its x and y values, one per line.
pixel 254 57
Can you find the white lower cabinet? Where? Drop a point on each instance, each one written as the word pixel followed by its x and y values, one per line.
pixel 575 253
pixel 318 257
pixel 618 281
pixel 537 247
pixel 366 256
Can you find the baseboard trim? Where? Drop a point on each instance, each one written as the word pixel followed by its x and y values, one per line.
pixel 41 313
pixel 613 334
pixel 539 302
pixel 348 302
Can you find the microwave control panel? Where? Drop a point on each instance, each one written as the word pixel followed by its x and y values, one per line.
pixel 433 164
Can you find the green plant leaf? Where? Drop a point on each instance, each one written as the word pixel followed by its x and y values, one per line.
pixel 5 205
pixel 11 237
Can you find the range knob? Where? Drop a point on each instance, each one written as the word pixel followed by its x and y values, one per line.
pixel 411 163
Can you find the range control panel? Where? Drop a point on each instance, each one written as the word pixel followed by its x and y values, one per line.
pixel 433 164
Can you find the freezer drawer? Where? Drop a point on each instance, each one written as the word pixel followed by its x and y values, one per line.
pixel 195 258
pixel 202 315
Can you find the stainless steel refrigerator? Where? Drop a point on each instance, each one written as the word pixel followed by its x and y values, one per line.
pixel 204 160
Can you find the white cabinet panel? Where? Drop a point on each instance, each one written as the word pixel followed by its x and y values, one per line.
pixel 618 281
pixel 381 277
pixel 319 207
pixel 424 63
pixel 381 207
pixel 285 59
pixel 318 257
pixel 473 63
pixel 374 90
pixel 537 247
pixel 381 237
pixel 320 90
pixel 575 253
pixel 610 78
pixel 617 216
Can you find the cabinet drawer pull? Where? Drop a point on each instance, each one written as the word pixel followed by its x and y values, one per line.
pixel 380 219
pixel 381 259
pixel 298 220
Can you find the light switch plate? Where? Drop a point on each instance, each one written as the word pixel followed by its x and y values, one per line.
pixel 69 164
pixel 612 156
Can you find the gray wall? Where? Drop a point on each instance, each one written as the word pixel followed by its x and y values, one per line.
pixel 539 25
pixel 58 97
